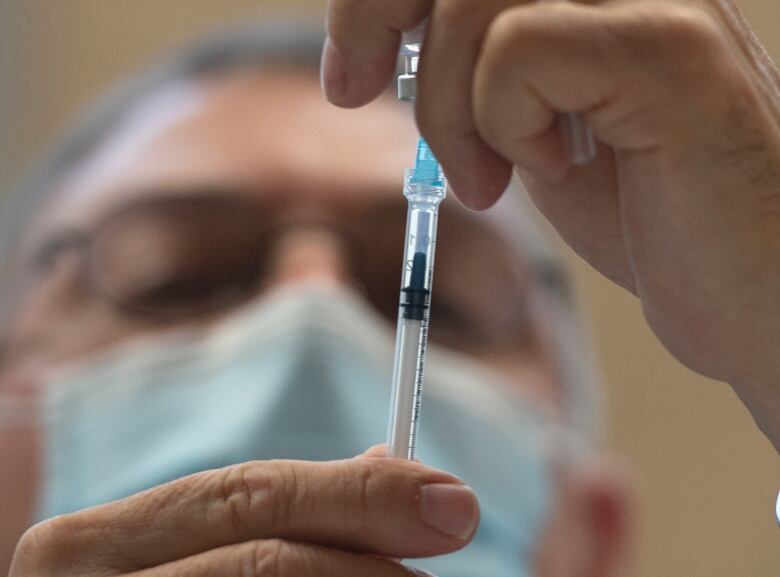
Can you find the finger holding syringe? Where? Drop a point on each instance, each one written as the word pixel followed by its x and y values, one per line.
pixel 366 37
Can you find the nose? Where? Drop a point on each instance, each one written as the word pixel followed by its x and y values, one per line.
pixel 309 254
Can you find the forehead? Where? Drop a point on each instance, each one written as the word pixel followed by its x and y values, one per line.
pixel 266 130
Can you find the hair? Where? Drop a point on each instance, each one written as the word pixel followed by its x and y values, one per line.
pixel 289 44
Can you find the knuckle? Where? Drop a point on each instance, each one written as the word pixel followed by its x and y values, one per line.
pixel 508 41
pixel 499 72
pixel 501 39
pixel 272 558
pixel 238 497
pixel 260 496
pixel 287 494
pixel 368 479
pixel 517 31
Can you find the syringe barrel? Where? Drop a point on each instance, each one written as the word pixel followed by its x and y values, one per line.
pixel 405 402
pixel 424 196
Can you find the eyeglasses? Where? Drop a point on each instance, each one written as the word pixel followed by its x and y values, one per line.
pixel 179 256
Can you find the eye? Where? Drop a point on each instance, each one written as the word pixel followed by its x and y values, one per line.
pixel 176 259
pixel 189 294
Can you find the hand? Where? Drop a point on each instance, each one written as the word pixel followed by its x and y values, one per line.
pixel 269 519
pixel 681 207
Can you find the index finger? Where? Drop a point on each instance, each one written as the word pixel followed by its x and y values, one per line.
pixel 361 51
pixel 381 506
pixel 445 114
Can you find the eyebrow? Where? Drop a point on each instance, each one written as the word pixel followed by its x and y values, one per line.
pixel 64 233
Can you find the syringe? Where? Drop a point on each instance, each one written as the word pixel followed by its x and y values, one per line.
pixel 424 189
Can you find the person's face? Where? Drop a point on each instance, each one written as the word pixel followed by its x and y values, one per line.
pixel 214 193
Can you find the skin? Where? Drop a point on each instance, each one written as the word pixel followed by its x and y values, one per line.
pixel 261 518
pixel 681 206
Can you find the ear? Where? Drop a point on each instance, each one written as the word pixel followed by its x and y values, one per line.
pixel 589 528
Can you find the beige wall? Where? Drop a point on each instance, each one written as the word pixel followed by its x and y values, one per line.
pixel 706 477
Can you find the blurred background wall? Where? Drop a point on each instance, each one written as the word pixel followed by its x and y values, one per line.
pixel 706 477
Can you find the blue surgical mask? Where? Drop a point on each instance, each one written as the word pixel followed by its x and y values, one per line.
pixel 301 374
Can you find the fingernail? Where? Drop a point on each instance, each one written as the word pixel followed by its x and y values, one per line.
pixel 450 509
pixel 332 72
